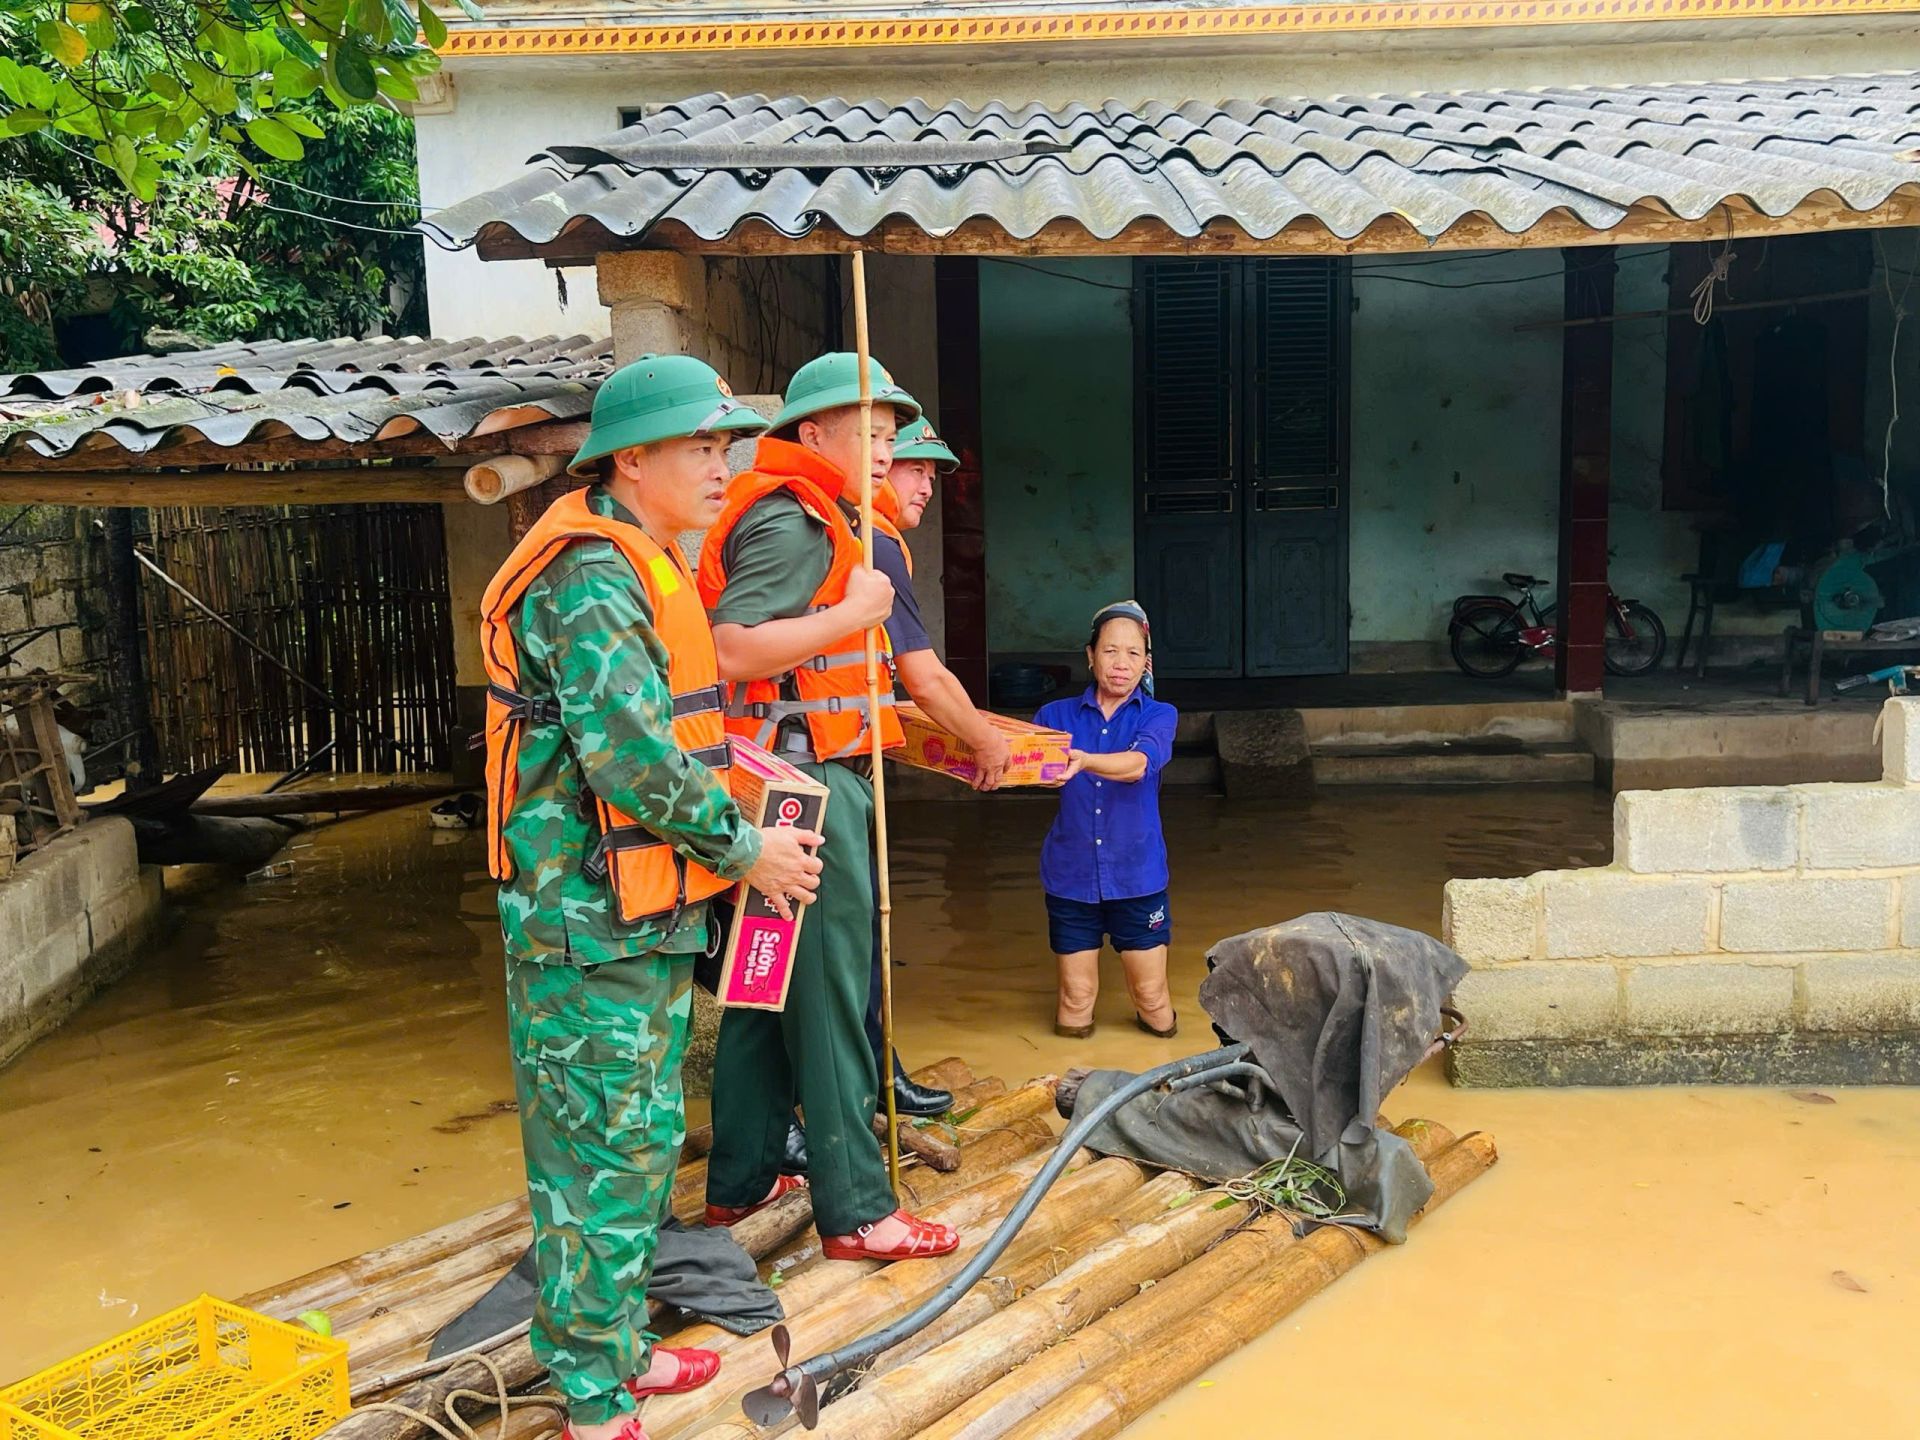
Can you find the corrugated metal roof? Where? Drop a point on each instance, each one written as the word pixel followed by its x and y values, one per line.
pixel 300 391
pixel 1511 156
pixel 255 367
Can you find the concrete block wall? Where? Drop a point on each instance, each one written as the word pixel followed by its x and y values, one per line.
pixel 1742 911
pixel 71 916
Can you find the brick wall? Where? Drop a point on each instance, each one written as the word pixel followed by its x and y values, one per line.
pixel 1744 911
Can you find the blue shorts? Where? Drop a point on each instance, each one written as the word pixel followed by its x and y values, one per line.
pixel 1137 924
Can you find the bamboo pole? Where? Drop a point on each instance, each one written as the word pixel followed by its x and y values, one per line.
pixel 907 1401
pixel 891 1291
pixel 995 1293
pixel 1109 1401
pixel 884 900
pixel 813 1280
pixel 1042 1379
pixel 330 1285
pixel 1021 1146
pixel 487 1258
pixel 1031 1100
pixel 923 1145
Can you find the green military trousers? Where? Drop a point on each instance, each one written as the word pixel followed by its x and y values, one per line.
pixel 596 1064
pixel 815 1051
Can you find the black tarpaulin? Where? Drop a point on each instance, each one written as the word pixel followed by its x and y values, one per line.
pixel 1337 1011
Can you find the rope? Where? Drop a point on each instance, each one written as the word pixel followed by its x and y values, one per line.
pixel 1703 292
pixel 1293 1184
pixel 501 1397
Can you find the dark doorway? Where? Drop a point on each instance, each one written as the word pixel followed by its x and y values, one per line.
pixel 1241 446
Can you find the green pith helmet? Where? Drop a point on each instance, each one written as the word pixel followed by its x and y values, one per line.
pixel 661 397
pixel 916 441
pixel 834 380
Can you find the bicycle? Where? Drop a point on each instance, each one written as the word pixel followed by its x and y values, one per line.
pixel 1490 635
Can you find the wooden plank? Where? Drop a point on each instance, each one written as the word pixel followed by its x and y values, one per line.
pixel 582 241
pixel 225 487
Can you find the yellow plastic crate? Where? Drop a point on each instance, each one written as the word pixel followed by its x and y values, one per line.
pixel 207 1369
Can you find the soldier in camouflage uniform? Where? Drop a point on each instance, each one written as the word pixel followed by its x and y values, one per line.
pixel 598 1010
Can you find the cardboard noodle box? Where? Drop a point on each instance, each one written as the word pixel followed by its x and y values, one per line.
pixel 757 965
pixel 1039 756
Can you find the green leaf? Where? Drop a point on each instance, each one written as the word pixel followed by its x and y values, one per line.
pixel 317 1321
pixel 274 138
pixel 145 181
pixel 62 41
pixel 170 130
pixel 297 46
pixel 471 10
pixel 294 81
pixel 138 20
pixel 354 72
pixel 124 156
pixel 303 125
pixel 232 46
pixel 165 86
pixel 25 120
pixel 432 26
pixel 398 84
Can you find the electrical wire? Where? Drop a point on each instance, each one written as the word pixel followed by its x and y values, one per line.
pixel 338 224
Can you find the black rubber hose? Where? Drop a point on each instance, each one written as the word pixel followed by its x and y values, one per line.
pixel 1195 1069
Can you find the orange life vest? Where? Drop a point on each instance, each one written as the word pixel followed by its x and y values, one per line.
pixel 648 877
pixel 828 692
pixel 886 519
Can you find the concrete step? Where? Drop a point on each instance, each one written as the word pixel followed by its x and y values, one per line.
pixel 1466 762
pixel 1191 771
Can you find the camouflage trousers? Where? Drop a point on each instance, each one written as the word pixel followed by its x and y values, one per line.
pixel 596 1061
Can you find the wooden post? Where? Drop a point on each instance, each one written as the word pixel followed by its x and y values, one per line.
pixel 131 715
pixel 1586 455
pixel 963 508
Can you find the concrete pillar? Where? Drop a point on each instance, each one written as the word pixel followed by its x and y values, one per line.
pixel 477 542
pixel 1586 459
pixel 659 303
pixel 963 504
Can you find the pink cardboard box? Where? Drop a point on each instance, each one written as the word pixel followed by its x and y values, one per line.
pixel 757 966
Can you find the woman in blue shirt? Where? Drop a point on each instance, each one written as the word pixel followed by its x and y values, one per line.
pixel 1104 863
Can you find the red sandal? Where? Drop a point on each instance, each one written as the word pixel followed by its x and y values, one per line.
pixel 720 1215
pixel 697 1367
pixel 924 1238
pixel 632 1430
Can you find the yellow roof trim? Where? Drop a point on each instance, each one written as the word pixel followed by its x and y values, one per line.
pixel 1158 23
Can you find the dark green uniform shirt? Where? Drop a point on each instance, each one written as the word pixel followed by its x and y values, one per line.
pixel 584 636
pixel 776 556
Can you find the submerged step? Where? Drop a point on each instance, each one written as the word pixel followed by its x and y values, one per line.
pixel 1482 761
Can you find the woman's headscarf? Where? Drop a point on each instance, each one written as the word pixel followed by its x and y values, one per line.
pixel 1126 610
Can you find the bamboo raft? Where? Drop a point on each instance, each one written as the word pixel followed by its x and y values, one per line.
pixel 1126 1284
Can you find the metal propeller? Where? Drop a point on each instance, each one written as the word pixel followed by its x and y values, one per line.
pixel 793 1389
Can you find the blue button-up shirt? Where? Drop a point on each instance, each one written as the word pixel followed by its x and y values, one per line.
pixel 1106 843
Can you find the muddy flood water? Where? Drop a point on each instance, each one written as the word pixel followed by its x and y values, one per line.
pixel 313 1066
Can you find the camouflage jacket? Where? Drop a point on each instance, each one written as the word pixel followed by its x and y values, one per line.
pixel 584 636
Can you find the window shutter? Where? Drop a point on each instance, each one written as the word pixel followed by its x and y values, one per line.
pixel 1186 392
pixel 1297 369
